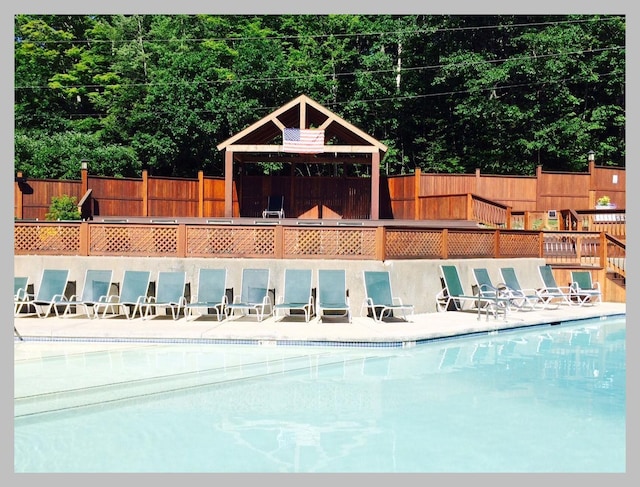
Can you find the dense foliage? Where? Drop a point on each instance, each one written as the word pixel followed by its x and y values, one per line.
pixel 63 207
pixel 446 93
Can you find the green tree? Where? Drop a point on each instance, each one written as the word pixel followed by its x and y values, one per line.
pixel 445 93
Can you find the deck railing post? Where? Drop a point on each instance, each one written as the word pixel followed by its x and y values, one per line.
pixel 603 250
pixel 181 244
pixel 445 243
pixel 541 244
pixel 279 244
pixel 381 244
pixel 84 239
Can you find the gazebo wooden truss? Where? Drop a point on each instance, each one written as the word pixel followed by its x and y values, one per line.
pixel 265 141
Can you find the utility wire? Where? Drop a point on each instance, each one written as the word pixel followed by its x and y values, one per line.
pixel 393 71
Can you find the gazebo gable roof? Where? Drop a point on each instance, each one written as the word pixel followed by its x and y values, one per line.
pixel 302 112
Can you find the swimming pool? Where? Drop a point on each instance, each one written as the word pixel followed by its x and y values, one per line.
pixel 545 399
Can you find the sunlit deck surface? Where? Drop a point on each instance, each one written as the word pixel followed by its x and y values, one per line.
pixel 326 222
pixel 293 330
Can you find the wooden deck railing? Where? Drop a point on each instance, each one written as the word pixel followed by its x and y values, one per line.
pixel 615 255
pixel 170 238
pixel 612 222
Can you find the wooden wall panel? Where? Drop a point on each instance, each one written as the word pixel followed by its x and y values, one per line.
pixel 37 195
pixel 344 197
pixel 611 182
pixel 558 190
pixel 116 197
pixel 436 184
pixel 519 192
pixel 172 197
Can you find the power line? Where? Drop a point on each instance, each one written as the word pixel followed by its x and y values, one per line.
pixel 393 70
pixel 376 100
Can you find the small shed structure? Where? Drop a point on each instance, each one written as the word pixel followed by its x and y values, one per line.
pixel 282 137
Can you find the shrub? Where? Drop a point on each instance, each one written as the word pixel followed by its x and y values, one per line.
pixel 63 207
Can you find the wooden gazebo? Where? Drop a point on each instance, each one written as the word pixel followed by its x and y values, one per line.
pixel 334 140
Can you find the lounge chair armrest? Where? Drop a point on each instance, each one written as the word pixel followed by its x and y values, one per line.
pixel 489 291
pixel 527 290
pixel 23 295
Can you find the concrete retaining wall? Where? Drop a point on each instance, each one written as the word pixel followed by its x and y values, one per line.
pixel 415 281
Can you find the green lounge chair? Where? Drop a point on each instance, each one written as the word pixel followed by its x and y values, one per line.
pixel 50 292
pixel 583 290
pixel 453 297
pixel 379 298
pixel 211 294
pixel 20 293
pixel 332 294
pixel 495 300
pixel 550 292
pixel 254 294
pixel 133 294
pixel 521 298
pixel 95 290
pixel 169 295
pixel 297 294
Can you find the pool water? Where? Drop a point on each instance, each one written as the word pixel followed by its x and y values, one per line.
pixel 545 399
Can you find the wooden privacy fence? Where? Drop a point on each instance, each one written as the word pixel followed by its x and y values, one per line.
pixel 415 196
pixel 281 241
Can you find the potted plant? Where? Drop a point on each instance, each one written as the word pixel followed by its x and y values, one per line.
pixel 604 203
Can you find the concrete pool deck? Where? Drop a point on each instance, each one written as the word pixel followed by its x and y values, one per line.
pixel 292 330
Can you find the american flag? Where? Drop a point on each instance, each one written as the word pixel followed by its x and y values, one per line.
pixel 309 141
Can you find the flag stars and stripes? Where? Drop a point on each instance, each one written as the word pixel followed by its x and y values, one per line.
pixel 303 141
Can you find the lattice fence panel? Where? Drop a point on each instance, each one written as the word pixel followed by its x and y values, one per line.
pixel 303 242
pixel 329 242
pixel 355 242
pixel 47 239
pixel 470 245
pixel 263 241
pixel 517 245
pixel 133 240
pixel 230 242
pixel 413 244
